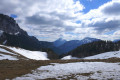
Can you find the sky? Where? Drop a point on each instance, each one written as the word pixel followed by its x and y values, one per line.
pixel 49 20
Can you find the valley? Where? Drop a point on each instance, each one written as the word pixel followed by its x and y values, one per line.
pixel 44 53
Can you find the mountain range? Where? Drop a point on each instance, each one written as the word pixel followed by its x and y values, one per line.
pixel 70 45
pixel 116 40
pixel 12 35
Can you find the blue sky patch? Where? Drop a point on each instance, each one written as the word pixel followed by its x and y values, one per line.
pixel 109 33
pixel 71 33
pixel 92 4
pixel 13 16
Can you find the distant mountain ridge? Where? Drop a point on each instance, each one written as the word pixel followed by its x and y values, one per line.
pixel 70 45
pixel 116 40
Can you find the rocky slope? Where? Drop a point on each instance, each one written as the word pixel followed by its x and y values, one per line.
pixel 12 35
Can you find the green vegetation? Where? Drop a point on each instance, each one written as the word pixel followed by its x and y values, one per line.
pixel 94 48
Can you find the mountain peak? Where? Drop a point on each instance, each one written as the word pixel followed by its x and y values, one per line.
pixel 9 25
pixel 60 39
pixel 59 42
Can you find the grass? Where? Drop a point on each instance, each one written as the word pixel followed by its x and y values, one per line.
pixel 12 69
pixel 73 76
pixel 68 77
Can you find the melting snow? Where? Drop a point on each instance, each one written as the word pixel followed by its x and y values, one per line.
pixel 1 32
pixel 69 57
pixel 3 50
pixel 2 57
pixel 105 55
pixel 5 42
pixel 36 55
pixel 97 70
pixel 17 33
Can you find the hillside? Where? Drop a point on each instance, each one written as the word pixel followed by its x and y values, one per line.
pixel 106 55
pixel 94 48
pixel 12 35
pixel 12 53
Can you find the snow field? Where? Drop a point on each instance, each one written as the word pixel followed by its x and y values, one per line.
pixel 96 70
pixel 105 55
pixel 35 55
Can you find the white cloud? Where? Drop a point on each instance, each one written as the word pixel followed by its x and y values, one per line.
pixel 50 19
pixel 102 20
pixel 43 17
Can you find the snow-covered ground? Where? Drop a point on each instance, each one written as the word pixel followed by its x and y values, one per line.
pixel 3 50
pixel 36 55
pixel 69 57
pixel 73 71
pixel 105 55
pixel 2 57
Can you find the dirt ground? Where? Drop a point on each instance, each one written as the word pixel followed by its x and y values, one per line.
pixel 12 69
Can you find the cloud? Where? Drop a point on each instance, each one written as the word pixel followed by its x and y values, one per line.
pixel 43 17
pixel 102 26
pixel 111 8
pixel 49 19
pixel 101 20
pixel 47 22
pixel 41 20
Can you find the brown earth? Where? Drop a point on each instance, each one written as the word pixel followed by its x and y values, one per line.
pixel 12 69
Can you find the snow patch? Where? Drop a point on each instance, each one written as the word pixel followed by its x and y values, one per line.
pixel 69 57
pixel 4 42
pixel 36 55
pixel 3 57
pixel 1 32
pixel 105 55
pixel 97 70
pixel 3 50
pixel 17 33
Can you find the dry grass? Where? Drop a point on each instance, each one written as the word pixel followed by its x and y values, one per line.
pixel 12 69
pixel 72 76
